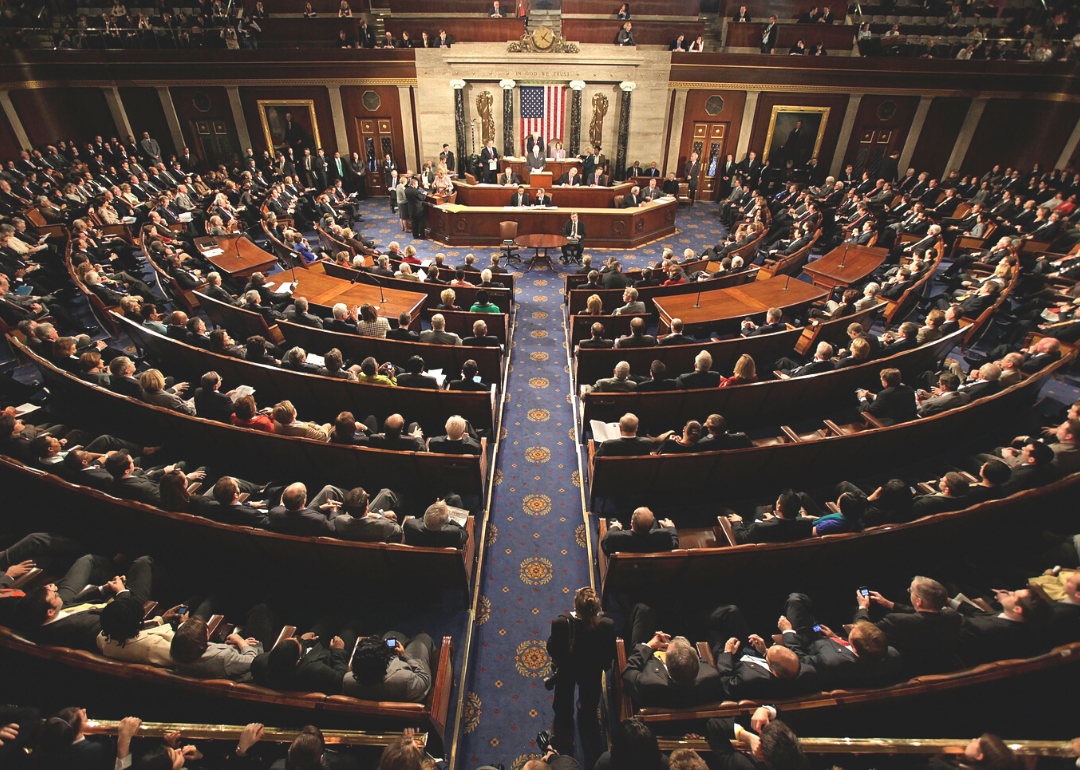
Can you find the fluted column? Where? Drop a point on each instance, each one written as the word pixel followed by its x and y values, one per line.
pixel 508 116
pixel 624 128
pixel 460 127
pixel 575 117
pixel 13 119
pixel 119 115
pixel 846 128
pixel 239 120
pixel 967 131
pixel 174 122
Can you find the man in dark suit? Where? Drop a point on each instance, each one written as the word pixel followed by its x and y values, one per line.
pixel 210 402
pixel 402 332
pixel 394 439
pixel 306 663
pixel 952 495
pixel 1015 632
pixel 908 340
pixel 775 748
pixel 414 376
pixel 925 633
pixel 632 199
pixel 646 535
pixel 676 337
pixel 864 659
pixel 946 396
pixel 637 337
pixel 1035 468
pixel 750 669
pixel 574 231
pixel 489 162
pixel 456 441
pixel 63 614
pixel 597 339
pixel 822 362
pixel 783 525
pixel 520 198
pixel 894 403
pixel 295 516
pixel 657 381
pixel 702 376
pixel 629 443
pixel 297 313
pixel 719 438
pixel 480 337
pixel 449 155
pixel 774 322
pixel 543 199
pixel 682 679
pixel 615 278
pixel 435 529
pixel 691 172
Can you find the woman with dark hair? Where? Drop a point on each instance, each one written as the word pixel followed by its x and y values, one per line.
pixel 483 303
pixel 370 324
pixel 247 415
pixel 845 307
pixel 624 12
pixel 346 430
pixel 404 753
pixel 124 635
pixel 255 350
pixel 582 648
pixel 174 492
pixel 685 443
pixel 333 366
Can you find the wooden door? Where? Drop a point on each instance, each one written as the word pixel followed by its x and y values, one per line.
pixel 212 142
pixel 376 141
pixel 708 143
pixel 875 144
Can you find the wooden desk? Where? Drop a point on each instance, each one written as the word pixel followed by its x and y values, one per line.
pixel 836 37
pixel 845 265
pixel 606 228
pixel 321 289
pixel 494 196
pixel 556 167
pixel 241 257
pixel 727 307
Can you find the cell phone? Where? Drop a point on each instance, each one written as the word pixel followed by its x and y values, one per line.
pixel 182 609
pixel 391 643
pixel 476 378
pixel 817 629
pixel 864 590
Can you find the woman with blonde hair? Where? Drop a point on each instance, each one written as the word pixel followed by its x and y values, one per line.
pixel 745 373
pixel 447 300
pixel 594 305
pixel 154 392
pixel 582 648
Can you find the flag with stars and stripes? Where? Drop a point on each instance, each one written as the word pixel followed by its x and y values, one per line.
pixel 543 109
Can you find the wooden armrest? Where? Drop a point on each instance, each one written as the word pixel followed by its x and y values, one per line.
pixel 243 497
pixel 213 625
pixel 793 437
pixel 194 487
pixel 705 653
pixel 926 488
pixel 21 582
pixel 833 428
pixel 727 529
pixel 780 375
pixel 969 478
pixel 149 608
pixel 874 422
pixel 287 632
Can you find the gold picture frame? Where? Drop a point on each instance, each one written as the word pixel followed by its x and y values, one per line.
pixel 781 124
pixel 305 127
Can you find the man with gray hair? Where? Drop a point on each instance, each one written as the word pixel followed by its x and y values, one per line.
pixel 774 322
pixel 633 305
pixel 457 440
pixel 437 334
pixel 436 529
pixel 344 320
pixel 629 443
pixel 619 383
pixel 646 534
pixel 681 679
pixel 214 289
pixel 822 362
pixel 297 313
pixel 701 377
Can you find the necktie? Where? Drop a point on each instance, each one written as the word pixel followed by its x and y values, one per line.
pixel 574 233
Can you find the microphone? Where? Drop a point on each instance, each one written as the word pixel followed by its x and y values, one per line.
pixel 697 300
pixel 787 279
pixel 369 276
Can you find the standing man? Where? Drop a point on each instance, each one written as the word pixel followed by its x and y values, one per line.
pixel 489 162
pixel 692 172
pixel 416 198
pixel 768 36
pixel 449 155
pixel 537 161
pixel 337 169
pixel 151 150
pixel 575 234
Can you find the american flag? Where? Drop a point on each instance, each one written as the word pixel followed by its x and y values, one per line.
pixel 543 109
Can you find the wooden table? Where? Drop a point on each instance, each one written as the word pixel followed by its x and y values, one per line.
pixel 539 241
pixel 606 227
pixel 241 257
pixel 322 289
pixel 564 197
pixel 554 167
pixel 727 307
pixel 845 265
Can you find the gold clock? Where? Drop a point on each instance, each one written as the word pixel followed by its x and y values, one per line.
pixel 543 38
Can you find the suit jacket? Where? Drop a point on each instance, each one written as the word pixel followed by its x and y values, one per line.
pixel 79 630
pixel 320 670
pixel 723 441
pixel 417 381
pixel 814 367
pixel 892 405
pixel 840 667
pixel 400 443
pixel 942 403
pixel 766 329
pixel 568 227
pixel 691 380
pixel 466 445
pixel 138 488
pixel 366 529
pixel 656 540
pixel 307 522
pixel 630 341
pixel 624 447
pixel 774 530
pixel 520 200
pixel 720 733
pixel 649 684
pixel 985 637
pixel 451 536
pixel 927 641
pixel 614 385
pixel 748 679
pixel 213 405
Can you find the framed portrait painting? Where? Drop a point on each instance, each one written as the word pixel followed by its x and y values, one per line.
pixel 795 134
pixel 289 123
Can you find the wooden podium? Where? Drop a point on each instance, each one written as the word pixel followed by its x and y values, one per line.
pixel 540 179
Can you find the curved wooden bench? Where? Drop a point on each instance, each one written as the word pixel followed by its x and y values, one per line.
pixel 460 322
pixel 612 298
pixel 978 528
pixel 594 363
pixel 982 323
pixel 429 715
pixel 796 461
pixel 254 453
pixel 312 393
pixel 239 322
pixel 791 264
pixel 133 523
pixel 969 677
pixel 771 401
pixel 898 309
pixel 465 294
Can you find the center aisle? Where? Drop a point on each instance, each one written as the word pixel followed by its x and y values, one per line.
pixel 535 556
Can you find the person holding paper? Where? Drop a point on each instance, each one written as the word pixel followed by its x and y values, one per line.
pixel 537 161
pixel 489 162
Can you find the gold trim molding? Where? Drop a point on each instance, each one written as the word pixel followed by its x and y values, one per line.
pixel 696 85
pixel 204 83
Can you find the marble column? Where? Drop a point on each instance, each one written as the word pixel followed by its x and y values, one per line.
pixel 967 131
pixel 845 134
pixel 507 87
pixel 242 133
pixel 337 111
pixel 627 88
pixel 747 125
pixel 1070 147
pixel 460 129
pixel 174 122
pixel 675 141
pixel 119 114
pixel 412 162
pixel 13 119
pixel 912 140
pixel 574 147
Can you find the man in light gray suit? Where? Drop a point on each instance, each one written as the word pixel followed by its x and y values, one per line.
pixel 620 383
pixel 150 149
pixel 391 668
pixel 438 334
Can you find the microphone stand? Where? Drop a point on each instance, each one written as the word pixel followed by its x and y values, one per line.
pixel 697 301
pixel 787 280
pixel 382 296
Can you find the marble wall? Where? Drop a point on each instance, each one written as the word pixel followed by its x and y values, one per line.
pixel 601 67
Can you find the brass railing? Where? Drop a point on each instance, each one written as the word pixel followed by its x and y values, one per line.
pixel 232 733
pixel 889 746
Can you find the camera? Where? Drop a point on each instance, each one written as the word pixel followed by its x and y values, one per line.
pixel 543 741
pixel 551 679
